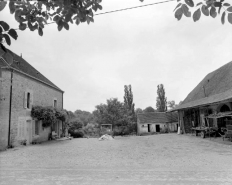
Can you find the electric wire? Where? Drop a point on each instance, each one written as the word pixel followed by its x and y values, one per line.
pixel 119 10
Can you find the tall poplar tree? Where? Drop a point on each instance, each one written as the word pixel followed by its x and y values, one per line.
pixel 128 101
pixel 161 100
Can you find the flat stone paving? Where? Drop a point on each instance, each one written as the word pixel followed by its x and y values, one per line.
pixel 156 160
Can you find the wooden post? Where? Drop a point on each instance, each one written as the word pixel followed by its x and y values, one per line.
pixel 181 121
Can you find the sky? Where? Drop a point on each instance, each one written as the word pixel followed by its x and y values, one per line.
pixel 143 47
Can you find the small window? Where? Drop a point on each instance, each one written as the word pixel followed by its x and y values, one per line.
pixel 36 127
pixel 55 103
pixel 28 100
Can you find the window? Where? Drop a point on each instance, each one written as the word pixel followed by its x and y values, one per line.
pixel 55 103
pixel 28 100
pixel 37 127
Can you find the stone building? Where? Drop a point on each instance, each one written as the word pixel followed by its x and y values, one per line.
pixel 21 87
pixel 151 122
pixel 209 103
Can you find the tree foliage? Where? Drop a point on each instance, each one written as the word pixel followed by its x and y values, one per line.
pixel 128 98
pixel 84 116
pixel 211 8
pixel 75 125
pixel 128 101
pixel 171 104
pixel 138 111
pixel 161 100
pixel 113 112
pixel 83 124
pixel 36 14
pixel 116 113
pixel 149 109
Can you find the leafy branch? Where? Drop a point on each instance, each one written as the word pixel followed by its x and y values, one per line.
pixel 36 14
pixel 208 8
pixel 6 32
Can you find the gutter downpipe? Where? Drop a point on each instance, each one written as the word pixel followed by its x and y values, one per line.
pixel 11 84
pixel 62 109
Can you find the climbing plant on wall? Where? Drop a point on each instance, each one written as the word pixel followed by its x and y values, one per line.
pixel 48 115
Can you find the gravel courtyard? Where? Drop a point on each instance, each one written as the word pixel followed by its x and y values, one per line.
pixel 157 159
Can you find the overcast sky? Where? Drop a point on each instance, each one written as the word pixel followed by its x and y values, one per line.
pixel 143 47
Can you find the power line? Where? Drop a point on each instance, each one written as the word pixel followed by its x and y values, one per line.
pixel 113 11
pixel 119 10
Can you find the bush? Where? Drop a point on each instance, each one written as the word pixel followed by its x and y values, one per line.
pixel 121 131
pixel 75 125
pixel 124 130
pixel 76 133
pixel 91 130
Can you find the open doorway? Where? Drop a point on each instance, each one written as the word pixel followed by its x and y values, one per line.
pixel 157 128
pixel 149 127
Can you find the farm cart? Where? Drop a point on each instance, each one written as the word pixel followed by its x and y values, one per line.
pixel 225 129
pixel 204 131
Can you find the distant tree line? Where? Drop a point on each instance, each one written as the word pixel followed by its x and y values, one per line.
pixel 121 115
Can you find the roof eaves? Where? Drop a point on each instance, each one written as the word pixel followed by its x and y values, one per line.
pixel 5 62
pixel 203 102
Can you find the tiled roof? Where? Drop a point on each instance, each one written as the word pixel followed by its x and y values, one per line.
pixel 206 101
pixel 172 116
pixel 215 87
pixel 157 117
pixel 23 66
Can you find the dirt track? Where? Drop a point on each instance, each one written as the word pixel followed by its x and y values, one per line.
pixel 157 159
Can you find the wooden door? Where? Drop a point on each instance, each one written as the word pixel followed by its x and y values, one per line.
pixel 29 131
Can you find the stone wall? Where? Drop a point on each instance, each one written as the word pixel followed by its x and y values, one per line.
pixel 4 108
pixel 143 127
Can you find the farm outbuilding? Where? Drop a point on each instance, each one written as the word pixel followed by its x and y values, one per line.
pixel 209 104
pixel 156 122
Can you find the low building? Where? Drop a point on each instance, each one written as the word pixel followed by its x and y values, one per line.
pixel 209 103
pixel 152 122
pixel 21 87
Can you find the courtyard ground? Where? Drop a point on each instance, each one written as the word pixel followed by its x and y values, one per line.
pixel 156 160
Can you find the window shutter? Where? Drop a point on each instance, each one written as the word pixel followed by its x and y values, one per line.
pixel 25 100
pixel 31 99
